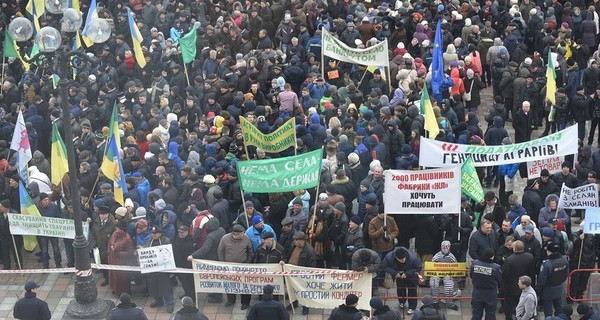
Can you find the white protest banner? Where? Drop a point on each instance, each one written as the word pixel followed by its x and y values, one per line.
pixel 443 154
pixel 435 191
pixel 159 258
pixel 582 197
pixel 534 168
pixel 592 221
pixel 376 55
pixel 327 288
pixel 24 224
pixel 237 278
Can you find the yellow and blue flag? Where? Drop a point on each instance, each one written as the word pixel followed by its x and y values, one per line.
pixel 137 40
pixel 431 124
pixel 28 208
pixel 92 14
pixel 113 169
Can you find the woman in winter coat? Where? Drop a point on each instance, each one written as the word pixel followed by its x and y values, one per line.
pixel 120 252
pixel 588 29
pixel 551 211
pixel 473 85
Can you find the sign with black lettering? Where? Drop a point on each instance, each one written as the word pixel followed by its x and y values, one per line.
pixel 433 191
pixel 582 197
pixel 159 258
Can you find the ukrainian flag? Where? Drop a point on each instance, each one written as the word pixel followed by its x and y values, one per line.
pixel 137 39
pixel 28 208
pixel 113 169
pixel 92 14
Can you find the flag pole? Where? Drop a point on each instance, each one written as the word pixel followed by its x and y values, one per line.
pixel 3 65
pixel 16 252
pixel 187 76
pixel 389 78
pixel 244 206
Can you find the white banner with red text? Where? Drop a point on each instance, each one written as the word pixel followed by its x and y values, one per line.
pixel 552 164
pixel 435 191
pixel 443 154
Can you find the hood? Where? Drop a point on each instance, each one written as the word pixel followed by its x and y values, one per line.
pixel 549 198
pixel 413 111
pixel 498 122
pixel 585 152
pixel 437 112
pixel 212 224
pixel 497 41
pixel 420 28
pixel 392 122
pixel 368 115
pixel 193 158
pixel 211 150
pixel 38 155
pixel 315 119
pixel 172 216
pixel 451 49
pixel 301 130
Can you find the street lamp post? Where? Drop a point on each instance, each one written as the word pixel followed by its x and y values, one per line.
pixel 55 55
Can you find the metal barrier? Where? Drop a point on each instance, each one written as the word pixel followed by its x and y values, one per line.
pixel 589 287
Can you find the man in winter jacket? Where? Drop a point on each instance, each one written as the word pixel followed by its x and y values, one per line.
pixel 404 266
pixel 126 310
pixel 30 307
pixel 268 308
pixel 255 232
pixel 519 264
pixel 301 254
pixel 486 276
pixel 551 280
pixel 347 310
pixel 236 247
pixel 189 311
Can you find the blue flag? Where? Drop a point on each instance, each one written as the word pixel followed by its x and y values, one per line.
pixel 437 65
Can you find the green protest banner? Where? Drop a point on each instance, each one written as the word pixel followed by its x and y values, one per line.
pixel 469 183
pixel 277 141
pixel 281 174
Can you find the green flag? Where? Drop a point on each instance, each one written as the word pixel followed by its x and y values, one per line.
pixel 187 44
pixel 282 174
pixel 470 184
pixel 9 47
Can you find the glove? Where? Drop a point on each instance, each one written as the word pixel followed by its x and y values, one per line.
pixel 386 239
pixel 384 228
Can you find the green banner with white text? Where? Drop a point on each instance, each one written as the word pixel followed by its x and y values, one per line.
pixel 281 174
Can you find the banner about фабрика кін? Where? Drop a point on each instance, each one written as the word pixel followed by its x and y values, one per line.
pixel 443 154
pixel 435 191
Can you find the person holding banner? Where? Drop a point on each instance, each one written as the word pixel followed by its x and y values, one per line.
pixel 583 256
pixel 51 210
pixel 6 238
pixel 159 283
pixel 301 254
pixel 236 247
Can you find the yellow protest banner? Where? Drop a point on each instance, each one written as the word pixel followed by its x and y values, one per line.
pixel 277 141
pixel 439 269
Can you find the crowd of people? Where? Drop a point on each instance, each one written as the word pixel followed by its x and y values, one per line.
pixel 178 127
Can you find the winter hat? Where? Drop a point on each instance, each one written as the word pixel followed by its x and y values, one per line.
pixel 297 200
pixel 256 220
pixel 487 254
pixel 353 158
pixel 376 303
pixel 351 299
pixel 187 302
pixel 547 232
pixel 365 183
pixel 400 253
pixel 583 308
pixel 356 219
pixel 140 212
pixel 160 204
pixel 340 206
